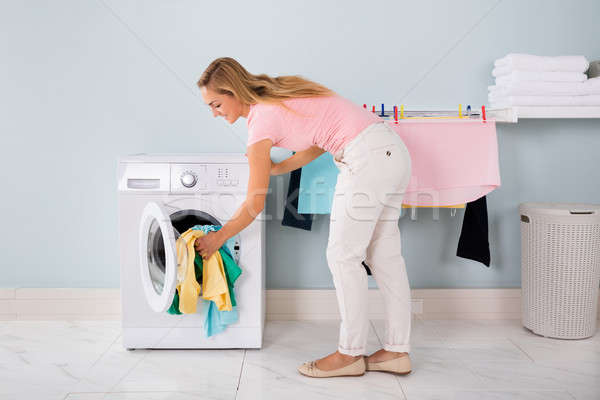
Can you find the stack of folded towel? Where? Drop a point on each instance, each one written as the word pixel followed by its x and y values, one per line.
pixel 529 80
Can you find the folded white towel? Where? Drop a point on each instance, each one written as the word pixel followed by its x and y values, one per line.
pixel 549 76
pixel 507 101
pixel 540 88
pixel 529 62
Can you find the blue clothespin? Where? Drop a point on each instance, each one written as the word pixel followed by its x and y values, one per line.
pixel 469 110
pixel 382 112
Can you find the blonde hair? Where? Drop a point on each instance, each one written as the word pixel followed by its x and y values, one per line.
pixel 227 76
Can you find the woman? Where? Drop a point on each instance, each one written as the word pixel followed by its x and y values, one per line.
pixel 303 116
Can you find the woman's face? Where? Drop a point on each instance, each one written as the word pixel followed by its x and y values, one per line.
pixel 224 105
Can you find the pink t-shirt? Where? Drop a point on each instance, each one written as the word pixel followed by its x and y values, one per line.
pixel 328 122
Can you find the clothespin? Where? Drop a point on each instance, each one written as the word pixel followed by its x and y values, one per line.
pixel 452 212
pixel 483 113
pixel 364 106
pixel 401 111
pixel 395 114
pixel 469 110
pixel 460 111
pixel 373 108
pixel 413 213
pixel 382 111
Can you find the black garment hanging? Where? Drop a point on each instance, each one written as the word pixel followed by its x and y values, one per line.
pixel 291 217
pixel 367 268
pixel 473 242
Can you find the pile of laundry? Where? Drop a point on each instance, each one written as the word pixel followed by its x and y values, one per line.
pixel 212 281
pixel 530 80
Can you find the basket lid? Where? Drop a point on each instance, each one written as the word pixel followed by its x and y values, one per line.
pixel 560 208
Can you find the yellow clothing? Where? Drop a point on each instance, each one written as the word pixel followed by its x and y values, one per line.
pixel 214 282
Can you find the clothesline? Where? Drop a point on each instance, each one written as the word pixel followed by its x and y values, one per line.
pixel 399 114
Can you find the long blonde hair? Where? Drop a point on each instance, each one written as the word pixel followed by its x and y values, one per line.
pixel 227 76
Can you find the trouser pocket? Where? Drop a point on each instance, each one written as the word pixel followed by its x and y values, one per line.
pixel 342 166
pixel 390 165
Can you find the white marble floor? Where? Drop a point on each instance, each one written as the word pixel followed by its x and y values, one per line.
pixel 452 359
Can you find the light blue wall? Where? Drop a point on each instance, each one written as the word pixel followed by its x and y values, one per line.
pixel 83 82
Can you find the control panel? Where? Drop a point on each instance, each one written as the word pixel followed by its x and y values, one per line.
pixel 189 178
pixel 226 176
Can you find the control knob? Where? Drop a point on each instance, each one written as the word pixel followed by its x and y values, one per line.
pixel 188 179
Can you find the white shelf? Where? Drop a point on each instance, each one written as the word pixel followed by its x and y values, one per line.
pixel 512 114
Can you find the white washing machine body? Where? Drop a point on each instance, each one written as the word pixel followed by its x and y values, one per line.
pixel 161 196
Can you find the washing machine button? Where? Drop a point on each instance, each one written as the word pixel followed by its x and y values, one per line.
pixel 188 179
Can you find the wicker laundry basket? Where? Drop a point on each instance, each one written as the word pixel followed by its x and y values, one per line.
pixel 560 268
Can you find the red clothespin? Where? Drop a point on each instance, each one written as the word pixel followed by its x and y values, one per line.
pixel 373 108
pixel 395 114
pixel 483 113
pixel 364 106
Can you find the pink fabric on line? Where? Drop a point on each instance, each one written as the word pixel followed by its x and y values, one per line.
pixel 453 162
pixel 328 122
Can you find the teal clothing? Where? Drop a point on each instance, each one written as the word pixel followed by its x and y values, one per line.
pixel 215 321
pixel 317 185
pixel 174 309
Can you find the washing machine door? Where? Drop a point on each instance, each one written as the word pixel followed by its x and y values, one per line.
pixel 158 257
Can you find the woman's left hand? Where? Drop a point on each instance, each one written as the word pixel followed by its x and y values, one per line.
pixel 208 244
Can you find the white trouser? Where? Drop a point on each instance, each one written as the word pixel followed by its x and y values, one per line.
pixel 375 169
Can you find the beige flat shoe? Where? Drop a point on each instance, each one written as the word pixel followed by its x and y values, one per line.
pixel 357 368
pixel 399 366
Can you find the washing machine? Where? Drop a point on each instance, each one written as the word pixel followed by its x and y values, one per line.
pixel 160 197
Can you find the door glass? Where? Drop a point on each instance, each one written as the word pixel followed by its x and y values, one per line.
pixel 156 257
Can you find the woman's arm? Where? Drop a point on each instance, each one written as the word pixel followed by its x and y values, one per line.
pixel 259 158
pixel 296 161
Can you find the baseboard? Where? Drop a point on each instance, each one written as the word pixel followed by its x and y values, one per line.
pixel 282 304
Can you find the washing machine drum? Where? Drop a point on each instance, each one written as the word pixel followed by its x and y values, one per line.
pixel 185 219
